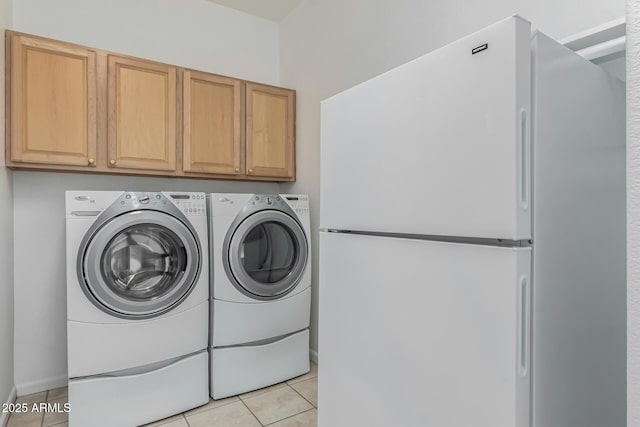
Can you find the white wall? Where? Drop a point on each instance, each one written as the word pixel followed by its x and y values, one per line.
pixel 193 33
pixel 6 235
pixel 327 46
pixel 633 213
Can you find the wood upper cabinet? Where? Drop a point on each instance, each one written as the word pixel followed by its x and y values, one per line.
pixel 75 108
pixel 142 114
pixel 52 107
pixel 212 124
pixel 270 131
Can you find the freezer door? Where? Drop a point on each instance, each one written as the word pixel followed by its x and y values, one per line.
pixel 437 146
pixel 416 333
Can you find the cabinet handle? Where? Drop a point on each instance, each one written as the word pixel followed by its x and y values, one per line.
pixel 237 169
pixel 112 162
pixel 92 161
pixel 250 170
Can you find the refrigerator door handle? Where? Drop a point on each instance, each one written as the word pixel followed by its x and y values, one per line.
pixel 524 159
pixel 523 331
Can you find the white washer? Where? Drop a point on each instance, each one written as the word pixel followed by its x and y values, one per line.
pixel 260 290
pixel 137 305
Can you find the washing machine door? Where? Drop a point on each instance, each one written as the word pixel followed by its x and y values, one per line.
pixel 266 255
pixel 140 264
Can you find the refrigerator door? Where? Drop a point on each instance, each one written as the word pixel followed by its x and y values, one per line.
pixel 446 134
pixel 418 333
pixel 579 321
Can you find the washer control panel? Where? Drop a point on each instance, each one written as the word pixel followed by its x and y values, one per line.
pixel 140 200
pixel 299 203
pixel 189 203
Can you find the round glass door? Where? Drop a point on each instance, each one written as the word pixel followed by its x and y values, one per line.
pixel 141 264
pixel 267 254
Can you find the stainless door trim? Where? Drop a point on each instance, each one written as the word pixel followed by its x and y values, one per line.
pixel 231 259
pixel 127 204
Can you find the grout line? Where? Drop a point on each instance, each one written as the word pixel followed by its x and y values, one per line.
pixel 297 380
pixel 264 390
pixel 229 402
pixel 298 413
pixel 291 416
pixel 251 412
pixel 46 400
pixel 310 403
pixel 185 419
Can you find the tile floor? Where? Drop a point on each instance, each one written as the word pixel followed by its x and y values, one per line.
pixel 38 419
pixel 289 404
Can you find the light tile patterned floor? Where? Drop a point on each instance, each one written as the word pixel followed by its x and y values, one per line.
pixel 290 404
pixel 41 419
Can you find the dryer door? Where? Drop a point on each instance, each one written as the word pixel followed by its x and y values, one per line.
pixel 266 255
pixel 140 264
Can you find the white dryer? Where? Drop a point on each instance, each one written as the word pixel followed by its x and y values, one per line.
pixel 137 305
pixel 260 290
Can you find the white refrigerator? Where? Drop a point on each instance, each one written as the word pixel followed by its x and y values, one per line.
pixel 472 244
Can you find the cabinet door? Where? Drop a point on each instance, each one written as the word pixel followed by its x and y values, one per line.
pixel 52 102
pixel 211 133
pixel 142 114
pixel 270 148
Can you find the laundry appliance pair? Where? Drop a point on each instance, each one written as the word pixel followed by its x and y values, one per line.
pixel 140 300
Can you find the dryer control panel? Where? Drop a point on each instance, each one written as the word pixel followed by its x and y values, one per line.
pixel 298 202
pixel 267 201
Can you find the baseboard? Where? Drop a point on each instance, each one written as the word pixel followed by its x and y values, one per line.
pixel 313 355
pixel 42 385
pixel 4 416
